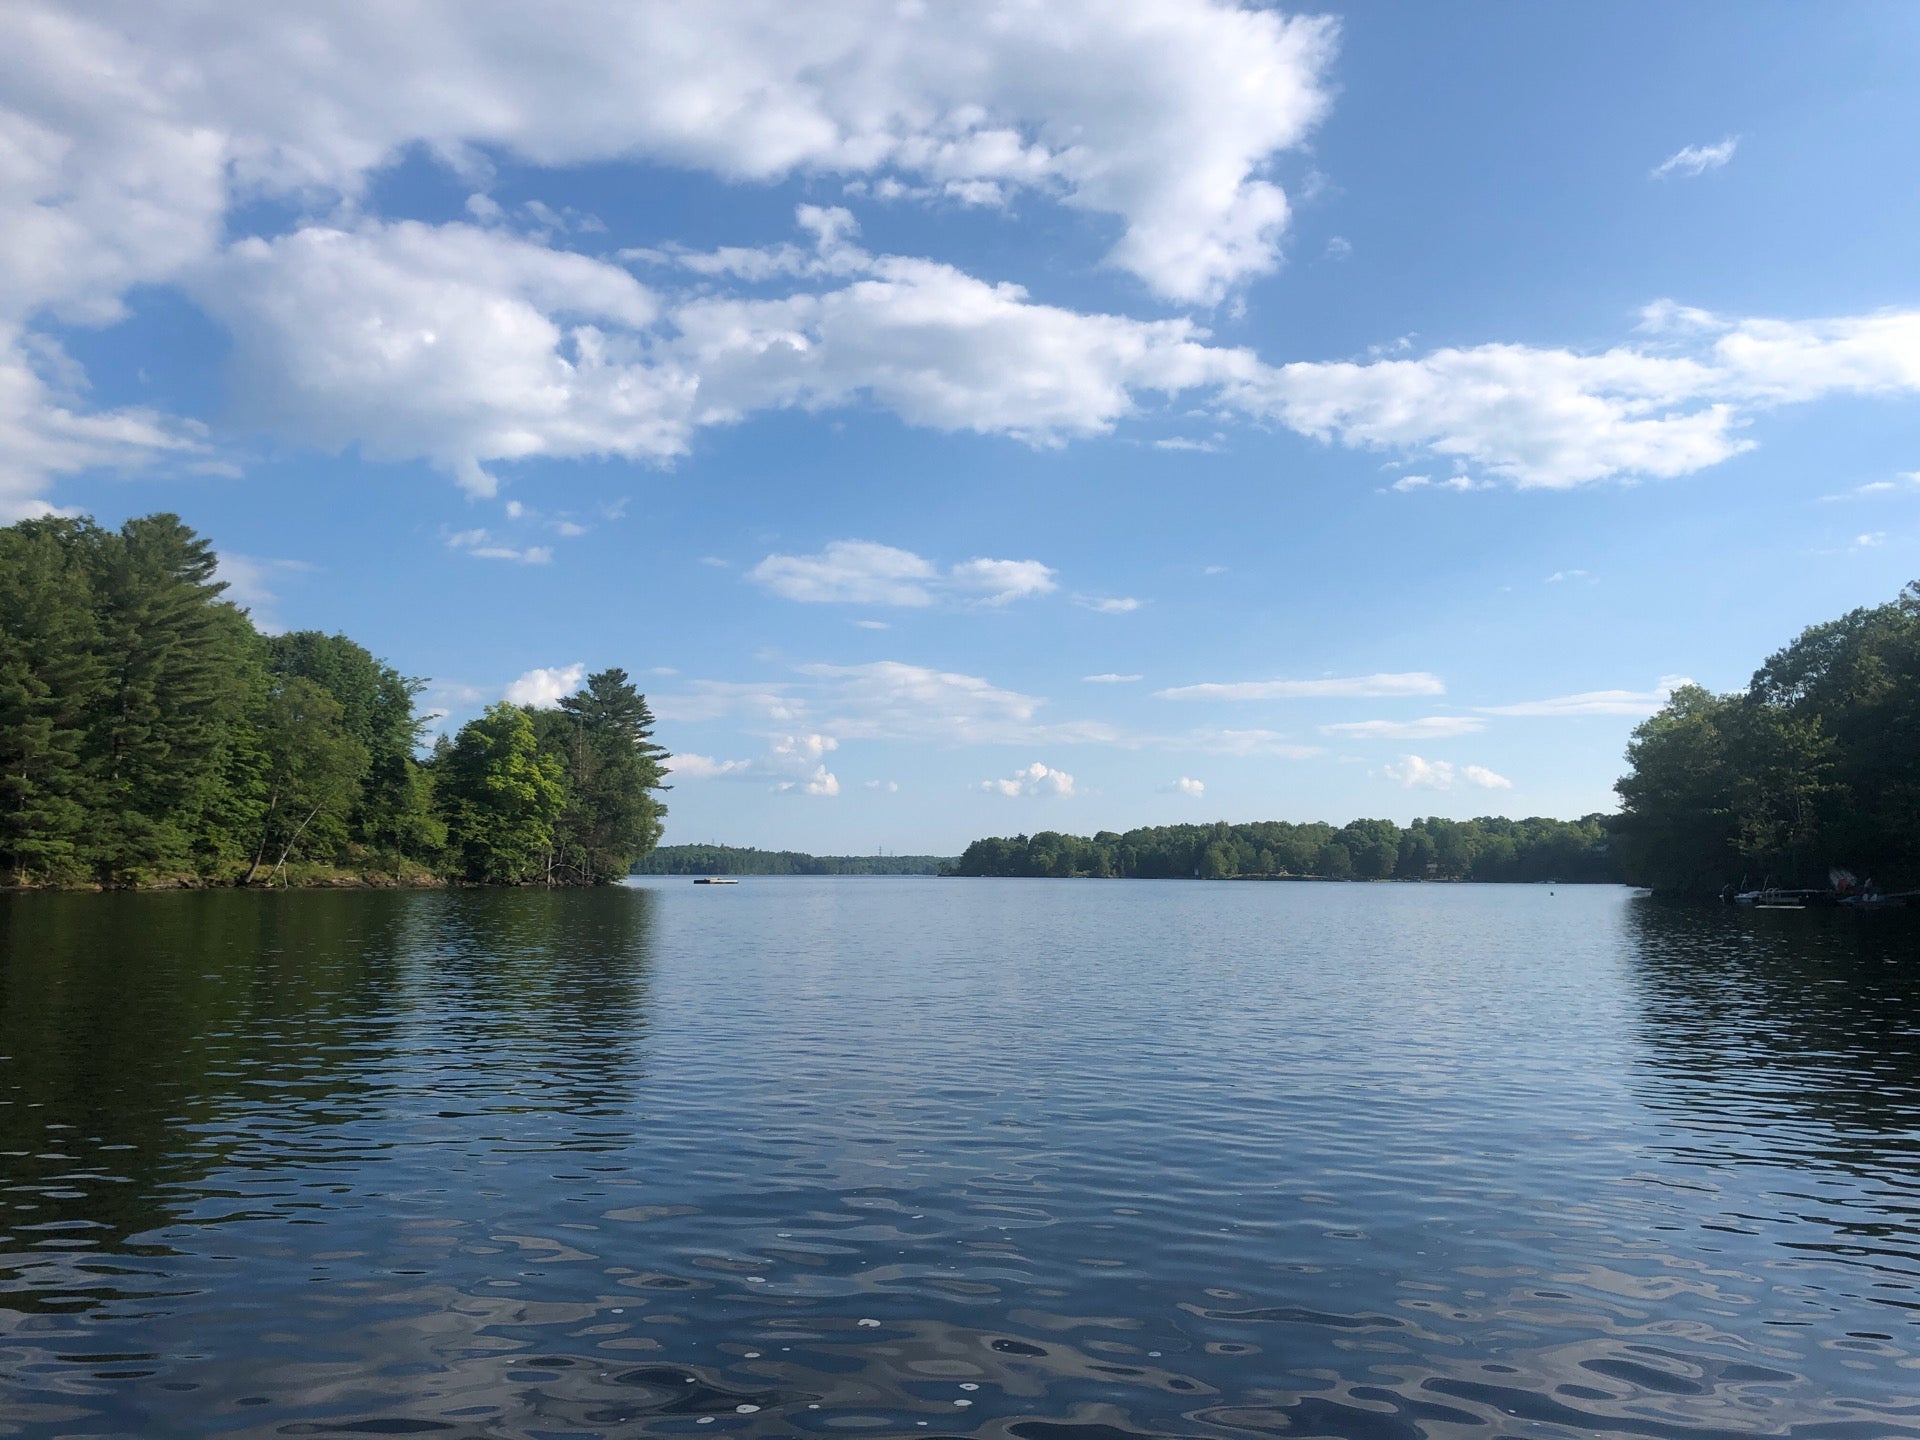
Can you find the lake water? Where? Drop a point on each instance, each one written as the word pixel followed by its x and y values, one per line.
pixel 1053 1160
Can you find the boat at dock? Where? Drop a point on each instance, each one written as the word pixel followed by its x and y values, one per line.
pixel 1776 898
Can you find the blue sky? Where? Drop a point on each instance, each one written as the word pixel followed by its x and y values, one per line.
pixel 970 420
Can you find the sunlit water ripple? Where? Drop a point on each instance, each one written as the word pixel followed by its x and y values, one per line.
pixel 1053 1160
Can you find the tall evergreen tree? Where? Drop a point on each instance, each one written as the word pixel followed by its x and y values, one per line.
pixel 603 738
pixel 178 671
pixel 50 676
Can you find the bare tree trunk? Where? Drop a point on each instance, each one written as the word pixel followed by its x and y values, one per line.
pixel 260 850
pixel 294 840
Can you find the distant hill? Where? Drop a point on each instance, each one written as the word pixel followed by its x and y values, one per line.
pixel 737 860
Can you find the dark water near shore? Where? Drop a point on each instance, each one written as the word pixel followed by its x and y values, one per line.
pixel 1050 1160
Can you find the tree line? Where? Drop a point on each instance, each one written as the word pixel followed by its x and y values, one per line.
pixel 1815 765
pixel 150 734
pixel 1490 848
pixel 745 860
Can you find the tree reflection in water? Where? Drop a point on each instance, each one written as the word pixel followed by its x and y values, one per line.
pixel 153 1044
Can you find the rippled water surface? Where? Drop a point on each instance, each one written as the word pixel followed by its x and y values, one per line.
pixel 1052 1160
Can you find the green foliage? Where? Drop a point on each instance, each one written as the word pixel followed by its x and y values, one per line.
pixel 1431 849
pixel 148 734
pixel 736 860
pixel 393 815
pixel 502 797
pixel 50 670
pixel 603 739
pixel 179 666
pixel 1815 764
pixel 314 768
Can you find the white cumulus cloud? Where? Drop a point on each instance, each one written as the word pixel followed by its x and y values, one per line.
pixel 1414 773
pixel 791 764
pixel 543 689
pixel 1187 785
pixel 139 141
pixel 1036 779
pixel 1417 774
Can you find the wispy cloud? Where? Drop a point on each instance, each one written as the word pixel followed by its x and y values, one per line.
pixel 861 572
pixel 1691 160
pixel 1430 727
pixel 1595 702
pixel 482 545
pixel 1108 604
pixel 251 581
pixel 1906 483
pixel 1111 679
pixel 1460 484
pixel 884 700
pixel 686 765
pixel 1352 687
pixel 1244 743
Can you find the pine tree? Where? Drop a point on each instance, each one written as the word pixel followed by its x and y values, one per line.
pixel 178 670
pixel 49 677
pixel 603 738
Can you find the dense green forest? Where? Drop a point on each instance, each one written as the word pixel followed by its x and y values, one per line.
pixel 744 860
pixel 150 735
pixel 1815 764
pixel 1433 849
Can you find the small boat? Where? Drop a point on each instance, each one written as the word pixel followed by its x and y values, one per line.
pixel 716 880
pixel 1775 897
pixel 1878 900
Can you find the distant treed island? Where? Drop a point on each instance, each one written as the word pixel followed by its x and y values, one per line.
pixel 151 736
pixel 744 860
pixel 1434 849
